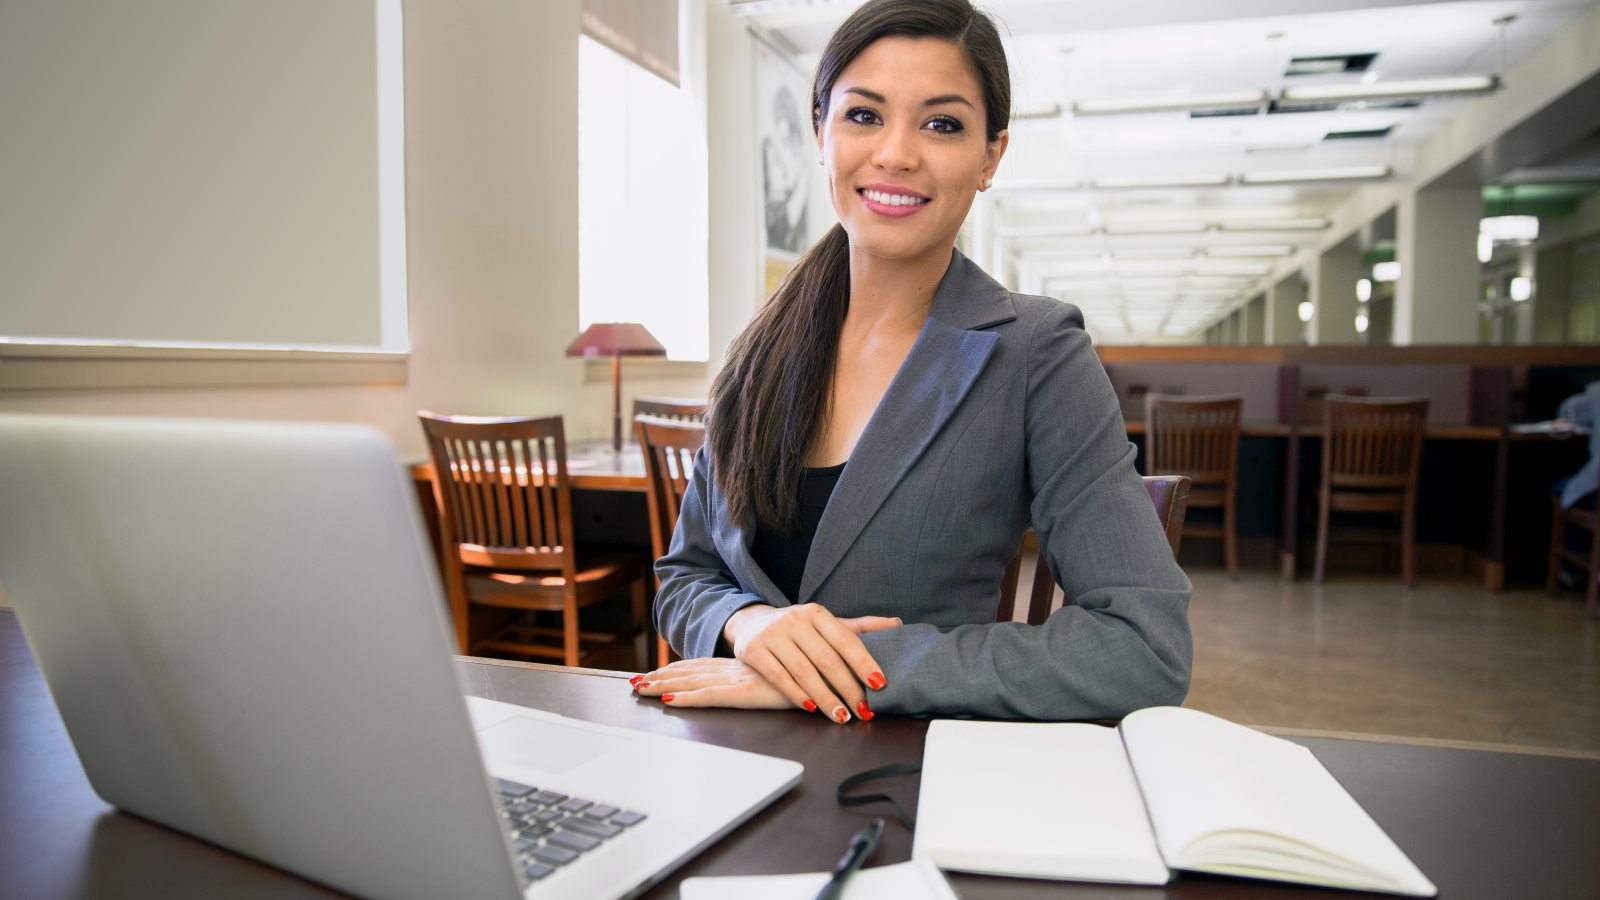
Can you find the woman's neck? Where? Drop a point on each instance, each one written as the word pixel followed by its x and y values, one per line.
pixel 893 293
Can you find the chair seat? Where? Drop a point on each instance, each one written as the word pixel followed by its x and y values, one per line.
pixel 1587 562
pixel 1368 501
pixel 600 574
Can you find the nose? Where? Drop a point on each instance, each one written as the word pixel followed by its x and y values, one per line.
pixel 896 150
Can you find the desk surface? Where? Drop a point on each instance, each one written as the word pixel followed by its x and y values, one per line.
pixel 592 465
pixel 1480 823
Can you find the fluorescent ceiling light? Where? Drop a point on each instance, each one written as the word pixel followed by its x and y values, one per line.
pixel 1230 267
pixel 1041 231
pixel 1153 253
pixel 1361 323
pixel 1162 181
pixel 1067 184
pixel 1511 229
pixel 1420 87
pixel 1485 247
pixel 1250 250
pixel 1306 310
pixel 1364 291
pixel 1386 271
pixel 1273 224
pixel 1223 100
pixel 1521 288
pixel 1287 176
pixel 1155 228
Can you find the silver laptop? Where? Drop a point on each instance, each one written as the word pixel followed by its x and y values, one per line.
pixel 243 630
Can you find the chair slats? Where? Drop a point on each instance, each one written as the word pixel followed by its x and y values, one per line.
pixel 669 447
pixel 1371 455
pixel 1199 437
pixel 505 510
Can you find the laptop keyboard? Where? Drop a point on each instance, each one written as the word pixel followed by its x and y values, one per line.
pixel 550 830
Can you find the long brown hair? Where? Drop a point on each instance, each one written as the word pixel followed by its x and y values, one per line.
pixel 770 400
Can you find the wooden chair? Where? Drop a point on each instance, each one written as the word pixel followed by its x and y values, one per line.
pixel 1371 452
pixel 1199 437
pixel 679 408
pixel 505 516
pixel 1583 517
pixel 669 446
pixel 1169 493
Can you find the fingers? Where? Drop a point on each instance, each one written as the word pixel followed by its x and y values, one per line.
pixel 864 624
pixel 856 656
pixel 799 665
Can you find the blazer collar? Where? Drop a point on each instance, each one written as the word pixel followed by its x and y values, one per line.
pixel 944 362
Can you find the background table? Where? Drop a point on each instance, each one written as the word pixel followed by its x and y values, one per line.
pixel 1479 823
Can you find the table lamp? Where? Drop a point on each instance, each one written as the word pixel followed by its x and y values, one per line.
pixel 616 340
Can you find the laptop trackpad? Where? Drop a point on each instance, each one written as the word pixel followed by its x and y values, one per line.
pixel 549 747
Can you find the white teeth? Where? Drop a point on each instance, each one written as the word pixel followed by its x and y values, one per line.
pixel 892 199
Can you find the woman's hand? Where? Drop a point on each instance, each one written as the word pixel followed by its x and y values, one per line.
pixel 810 656
pixel 710 682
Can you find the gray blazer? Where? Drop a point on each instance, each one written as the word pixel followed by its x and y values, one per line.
pixel 1000 415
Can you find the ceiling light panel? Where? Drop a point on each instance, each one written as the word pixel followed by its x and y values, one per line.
pixel 1379 90
pixel 1171 103
pixel 1245 251
pixel 1155 227
pixel 1303 224
pixel 1162 181
pixel 1344 173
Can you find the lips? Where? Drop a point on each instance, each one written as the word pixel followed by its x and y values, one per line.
pixel 891 201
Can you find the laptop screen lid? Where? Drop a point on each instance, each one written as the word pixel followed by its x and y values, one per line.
pixel 241 627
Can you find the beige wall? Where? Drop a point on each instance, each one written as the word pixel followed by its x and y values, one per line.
pixel 491 144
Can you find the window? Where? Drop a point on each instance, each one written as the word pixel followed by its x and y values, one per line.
pixel 642 200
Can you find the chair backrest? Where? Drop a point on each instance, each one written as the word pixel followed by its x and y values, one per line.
pixel 669 446
pixel 1373 443
pixel 1169 493
pixel 680 408
pixel 1194 436
pixel 502 490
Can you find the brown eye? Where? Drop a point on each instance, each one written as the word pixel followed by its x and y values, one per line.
pixel 945 125
pixel 860 115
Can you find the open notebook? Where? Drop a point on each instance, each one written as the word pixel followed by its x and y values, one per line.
pixel 1168 789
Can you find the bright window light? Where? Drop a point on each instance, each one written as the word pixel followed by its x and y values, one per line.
pixel 1364 290
pixel 642 209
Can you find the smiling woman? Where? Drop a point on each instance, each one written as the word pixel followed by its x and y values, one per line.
pixel 891 422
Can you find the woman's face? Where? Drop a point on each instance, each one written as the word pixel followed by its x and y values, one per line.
pixel 904 147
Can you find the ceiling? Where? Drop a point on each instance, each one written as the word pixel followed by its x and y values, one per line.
pixel 1160 264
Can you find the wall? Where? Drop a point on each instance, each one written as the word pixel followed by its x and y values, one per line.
pixel 491 144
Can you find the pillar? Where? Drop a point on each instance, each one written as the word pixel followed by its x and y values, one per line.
pixel 1436 298
pixel 1333 296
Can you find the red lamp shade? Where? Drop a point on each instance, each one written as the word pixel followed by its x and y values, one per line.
pixel 616 340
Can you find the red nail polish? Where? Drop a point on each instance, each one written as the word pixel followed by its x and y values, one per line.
pixel 810 706
pixel 641 685
pixel 666 698
pixel 636 679
pixel 876 681
pixel 841 715
pixel 865 713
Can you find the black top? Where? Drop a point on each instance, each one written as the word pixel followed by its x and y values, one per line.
pixel 783 557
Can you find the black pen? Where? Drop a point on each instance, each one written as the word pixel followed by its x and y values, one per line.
pixel 860 849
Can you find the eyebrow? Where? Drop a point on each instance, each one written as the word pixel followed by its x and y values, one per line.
pixel 940 100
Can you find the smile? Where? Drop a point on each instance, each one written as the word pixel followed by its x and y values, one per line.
pixel 886 198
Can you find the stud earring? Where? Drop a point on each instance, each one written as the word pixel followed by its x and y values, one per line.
pixel 984 185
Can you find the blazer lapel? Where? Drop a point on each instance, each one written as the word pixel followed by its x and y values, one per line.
pixel 934 378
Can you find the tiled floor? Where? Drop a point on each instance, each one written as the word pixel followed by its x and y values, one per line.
pixel 1447 660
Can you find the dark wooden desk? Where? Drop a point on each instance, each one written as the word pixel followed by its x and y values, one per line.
pixel 1479 823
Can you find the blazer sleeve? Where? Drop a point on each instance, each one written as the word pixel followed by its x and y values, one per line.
pixel 698 593
pixel 1124 644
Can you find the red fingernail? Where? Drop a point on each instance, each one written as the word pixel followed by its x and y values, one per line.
pixel 876 681
pixel 865 713
pixel 641 685
pixel 666 698
pixel 636 679
pixel 810 707
pixel 841 715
